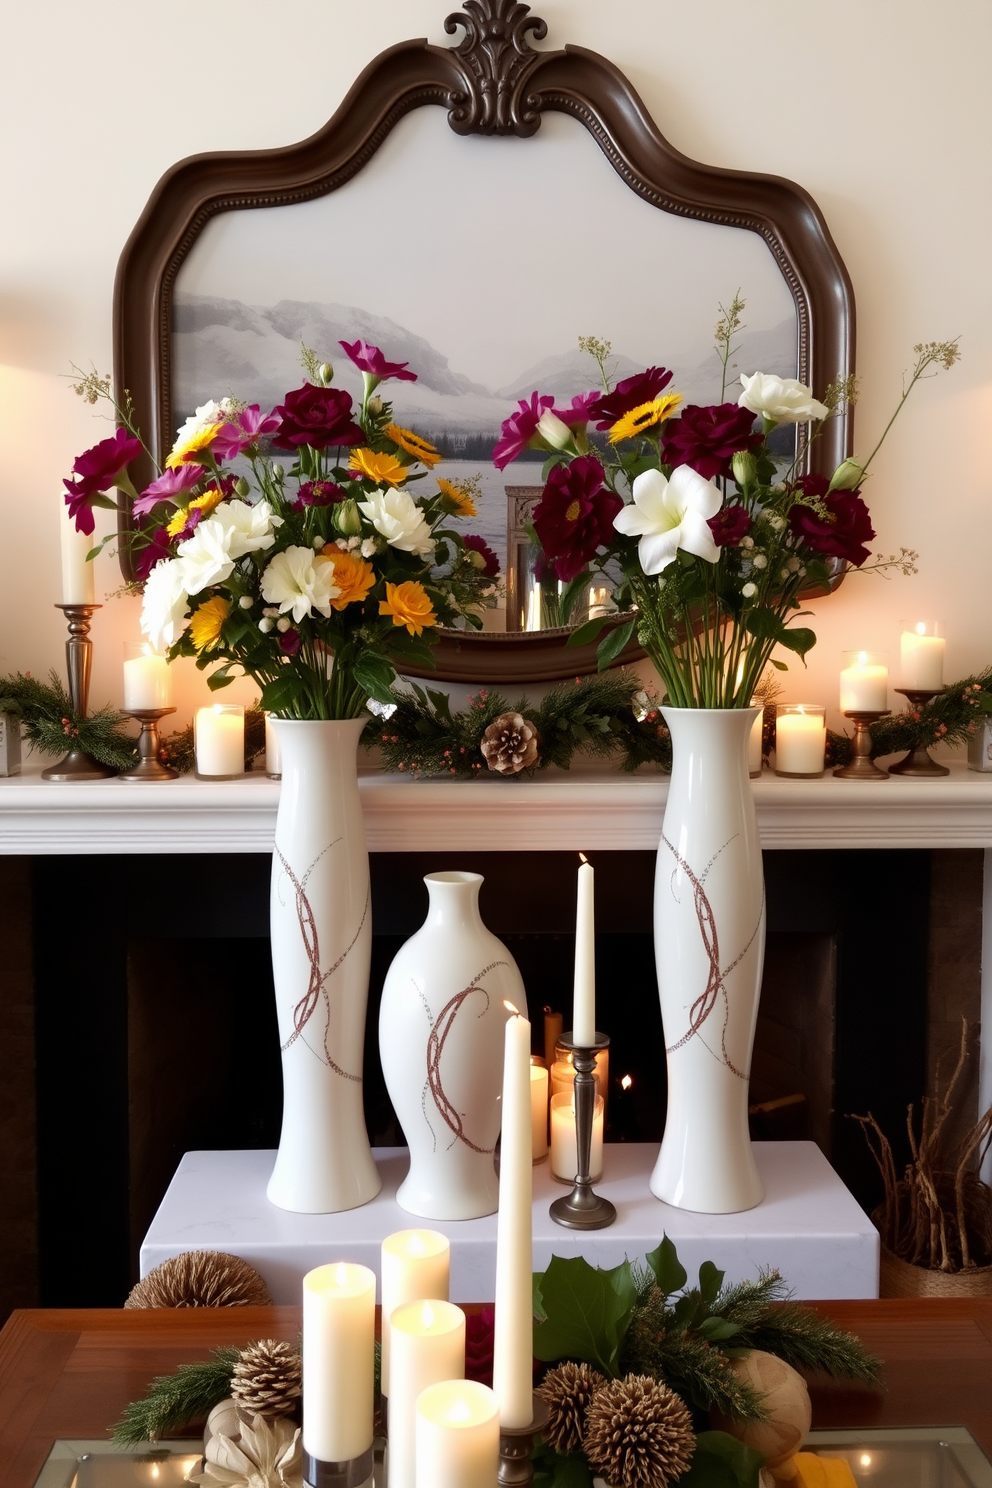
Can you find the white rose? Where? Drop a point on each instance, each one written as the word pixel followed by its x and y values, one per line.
pixel 299 582
pixel 206 556
pixel 780 400
pixel 671 514
pixel 400 521
pixel 164 606
pixel 250 526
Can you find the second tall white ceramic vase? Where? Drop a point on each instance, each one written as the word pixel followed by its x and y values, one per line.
pixel 321 927
pixel 709 925
pixel 445 1002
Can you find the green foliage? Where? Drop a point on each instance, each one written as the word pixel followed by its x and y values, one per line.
pixel 947 718
pixel 586 1312
pixel 720 1461
pixel 175 1400
pixel 50 725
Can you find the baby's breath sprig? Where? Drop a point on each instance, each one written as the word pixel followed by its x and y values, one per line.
pixel 600 351
pixel 729 325
pixel 311 364
pixel 842 393
pixel 903 562
pixel 93 389
pixel 931 358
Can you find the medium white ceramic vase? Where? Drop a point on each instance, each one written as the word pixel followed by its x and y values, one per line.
pixel 709 926
pixel 441 1030
pixel 321 926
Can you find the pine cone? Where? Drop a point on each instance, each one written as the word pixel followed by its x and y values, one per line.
pixel 268 1378
pixel 201 1278
pixel 638 1433
pixel 510 744
pixel 567 1391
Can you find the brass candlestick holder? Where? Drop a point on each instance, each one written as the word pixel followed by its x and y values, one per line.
pixel 149 766
pixel 918 761
pixel 582 1209
pixel 861 766
pixel 77 764
pixel 516 1444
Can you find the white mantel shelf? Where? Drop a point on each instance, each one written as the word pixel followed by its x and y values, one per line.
pixel 591 810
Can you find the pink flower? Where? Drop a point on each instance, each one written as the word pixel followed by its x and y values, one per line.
pixel 146 557
pixel 99 469
pixel 167 487
pixel 369 359
pixel 630 392
pixel 579 410
pixel 519 429
pixel 243 431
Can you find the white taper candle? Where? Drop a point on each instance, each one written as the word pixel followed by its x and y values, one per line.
pixel 513 1347
pixel 584 997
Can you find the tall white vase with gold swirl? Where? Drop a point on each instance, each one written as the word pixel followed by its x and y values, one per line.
pixel 709 926
pixel 321 926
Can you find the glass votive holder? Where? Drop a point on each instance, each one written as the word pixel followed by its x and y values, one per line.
pixel 800 740
pixel 219 741
pixel 921 657
pixel 538 1108
pixel 273 750
pixel 147 679
pixel 864 682
pixel 564 1151
pixel 563 1072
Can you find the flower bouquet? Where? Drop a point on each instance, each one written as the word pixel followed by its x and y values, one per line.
pixel 317 573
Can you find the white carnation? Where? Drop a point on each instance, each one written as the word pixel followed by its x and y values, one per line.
pixel 251 527
pixel 782 400
pixel 206 556
pixel 299 582
pixel 400 521
pixel 165 604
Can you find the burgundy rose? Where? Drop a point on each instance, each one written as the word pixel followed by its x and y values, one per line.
pixel 480 1333
pixel 708 438
pixel 369 359
pixel 479 545
pixel 319 493
pixel 316 416
pixel 146 557
pixel 518 430
pixel 575 515
pixel 289 642
pixel 730 524
pixel 99 469
pixel 169 484
pixel 838 525
pixel 244 430
pixel 629 393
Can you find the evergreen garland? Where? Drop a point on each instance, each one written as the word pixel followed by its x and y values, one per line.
pixel 174 1400
pixel 51 726
pixel 948 718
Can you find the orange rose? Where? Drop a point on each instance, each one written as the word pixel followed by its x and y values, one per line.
pixel 352 575
pixel 409 605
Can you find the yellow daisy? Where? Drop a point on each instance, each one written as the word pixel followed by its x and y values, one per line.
pixel 352 576
pixel 188 446
pixel 383 469
pixel 645 416
pixel 206 625
pixel 413 445
pixel 206 503
pixel 409 605
pixel 457 501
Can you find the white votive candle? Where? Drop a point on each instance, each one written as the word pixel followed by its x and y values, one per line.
pixel 800 739
pixel 539 1112
pixel 864 684
pixel 147 679
pixel 414 1264
pixel 755 741
pixel 338 1361
pixel 220 741
pixel 921 659
pixel 513 1344
pixel 564 1147
pixel 77 574
pixel 584 993
pixel 428 1346
pixel 273 749
pixel 457 1436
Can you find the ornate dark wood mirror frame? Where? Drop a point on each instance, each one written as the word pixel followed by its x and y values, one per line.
pixel 491 82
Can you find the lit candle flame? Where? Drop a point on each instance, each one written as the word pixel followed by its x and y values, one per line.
pixel 459 1412
pixel 583 857
pixel 427 1315
pixel 865 1458
pixel 510 1008
pixel 415 1245
pixel 921 627
pixel 341 1274
pixel 862 658
pixel 626 1082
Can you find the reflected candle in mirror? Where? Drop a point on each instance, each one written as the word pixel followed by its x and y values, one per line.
pixel 864 683
pixel 220 741
pixel 800 740
pixel 564 1151
pixel 921 658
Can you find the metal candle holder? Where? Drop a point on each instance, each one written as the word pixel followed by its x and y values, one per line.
pixel 356 1473
pixel 149 766
pixel 516 1445
pixel 582 1209
pixel 918 761
pixel 77 764
pixel 861 766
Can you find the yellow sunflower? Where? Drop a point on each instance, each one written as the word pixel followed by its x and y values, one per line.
pixel 206 503
pixel 352 576
pixel 409 605
pixel 383 469
pixel 456 501
pixel 413 445
pixel 188 446
pixel 206 625
pixel 645 416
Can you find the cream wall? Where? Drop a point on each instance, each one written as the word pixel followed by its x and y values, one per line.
pixel 880 108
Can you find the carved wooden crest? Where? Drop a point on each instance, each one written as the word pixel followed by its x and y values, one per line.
pixel 497 60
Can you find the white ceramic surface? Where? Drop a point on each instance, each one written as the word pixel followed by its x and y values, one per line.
pixel 709 927
pixel 441 1024
pixel 321 926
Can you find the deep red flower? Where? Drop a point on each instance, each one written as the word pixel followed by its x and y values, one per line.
pixel 98 470
pixel 575 515
pixel 169 484
pixel 708 438
pixel 371 360
pixel 319 493
pixel 838 526
pixel 629 393
pixel 479 545
pixel 480 1335
pixel 289 642
pixel 518 430
pixel 146 557
pixel 730 524
pixel 244 430
pixel 316 416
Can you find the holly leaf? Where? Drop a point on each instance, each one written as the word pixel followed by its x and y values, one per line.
pixel 375 675
pixel 586 1312
pixel 710 1282
pixel 669 1272
pixel 720 1461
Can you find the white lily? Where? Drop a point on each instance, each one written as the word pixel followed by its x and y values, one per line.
pixel 780 400
pixel 670 514
pixel 400 521
pixel 165 604
pixel 299 582
pixel 251 526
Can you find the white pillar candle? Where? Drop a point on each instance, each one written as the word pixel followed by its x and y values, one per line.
pixel 755 740
pixel 220 740
pixel 564 1146
pixel 428 1346
pixel 921 659
pixel 539 1112
pixel 338 1361
pixel 457 1436
pixel 147 679
pixel 273 752
pixel 800 739
pixel 563 1072
pixel 513 1344
pixel 863 685
pixel 414 1264
pixel 584 994
pixel 77 574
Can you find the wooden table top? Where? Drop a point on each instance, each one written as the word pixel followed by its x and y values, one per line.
pixel 70 1373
